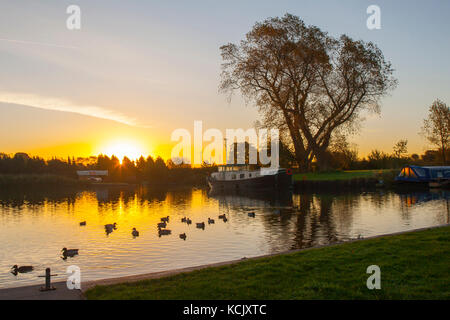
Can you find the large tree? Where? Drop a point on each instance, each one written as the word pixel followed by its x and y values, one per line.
pixel 305 81
pixel 436 127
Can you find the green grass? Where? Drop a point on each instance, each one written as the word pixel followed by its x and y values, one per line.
pixel 338 175
pixel 413 266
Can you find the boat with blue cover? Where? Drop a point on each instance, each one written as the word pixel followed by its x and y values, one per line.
pixel 434 176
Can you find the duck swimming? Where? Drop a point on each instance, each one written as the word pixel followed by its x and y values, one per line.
pixel 69 252
pixel 210 221
pixel 162 225
pixel 183 219
pixel 135 233
pixel 22 269
pixel 163 232
pixel 201 225
pixel 222 216
pixel 83 223
pixel 165 219
pixel 112 226
pixel 188 221
pixel 183 236
pixel 251 214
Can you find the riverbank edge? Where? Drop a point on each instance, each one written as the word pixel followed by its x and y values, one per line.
pixel 86 286
pixel 300 181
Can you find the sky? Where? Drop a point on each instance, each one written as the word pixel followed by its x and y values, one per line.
pixel 138 70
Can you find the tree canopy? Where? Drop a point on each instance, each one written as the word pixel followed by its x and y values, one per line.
pixel 305 81
pixel 436 126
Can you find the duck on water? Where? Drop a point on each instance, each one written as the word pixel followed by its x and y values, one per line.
pixel 15 269
pixel 164 232
pixel 201 225
pixel 69 252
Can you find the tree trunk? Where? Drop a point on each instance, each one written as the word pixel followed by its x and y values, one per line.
pixel 444 160
pixel 322 160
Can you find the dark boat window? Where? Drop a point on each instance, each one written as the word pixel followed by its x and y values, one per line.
pixel 250 175
pixel 242 176
pixel 437 174
pixel 233 177
pixel 420 172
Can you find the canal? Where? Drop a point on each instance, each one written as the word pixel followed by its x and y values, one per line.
pixel 36 224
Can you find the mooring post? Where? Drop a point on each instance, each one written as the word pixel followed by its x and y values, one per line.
pixel 48 276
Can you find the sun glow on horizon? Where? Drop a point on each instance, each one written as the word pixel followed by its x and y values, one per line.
pixel 121 148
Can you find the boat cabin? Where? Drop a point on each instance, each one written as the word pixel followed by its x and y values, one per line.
pixel 92 175
pixel 235 172
pixel 233 167
pixel 423 174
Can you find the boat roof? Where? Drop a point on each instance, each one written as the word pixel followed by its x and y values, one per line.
pixel 430 167
pixel 232 165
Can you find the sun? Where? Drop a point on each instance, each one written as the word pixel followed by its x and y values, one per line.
pixel 124 148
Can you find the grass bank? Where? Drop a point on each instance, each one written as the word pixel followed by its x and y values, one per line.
pixel 413 266
pixel 354 179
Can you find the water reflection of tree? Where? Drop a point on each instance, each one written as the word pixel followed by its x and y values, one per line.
pixel 380 198
pixel 315 219
pixel 18 198
pixel 143 197
pixel 315 223
pixel 238 200
pixel 135 197
pixel 344 207
pixel 325 219
pixel 248 199
pixel 304 203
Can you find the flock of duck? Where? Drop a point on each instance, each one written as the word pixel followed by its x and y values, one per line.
pixel 162 226
pixel 162 230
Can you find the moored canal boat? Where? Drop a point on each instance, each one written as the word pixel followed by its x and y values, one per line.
pixel 242 177
pixel 432 176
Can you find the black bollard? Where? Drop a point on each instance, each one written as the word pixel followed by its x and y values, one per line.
pixel 48 285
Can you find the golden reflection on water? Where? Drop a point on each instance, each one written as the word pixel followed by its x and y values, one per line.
pixel 35 226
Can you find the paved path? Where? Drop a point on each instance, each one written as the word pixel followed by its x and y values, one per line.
pixel 33 293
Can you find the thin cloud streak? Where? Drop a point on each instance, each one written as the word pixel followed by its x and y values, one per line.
pixel 55 104
pixel 38 43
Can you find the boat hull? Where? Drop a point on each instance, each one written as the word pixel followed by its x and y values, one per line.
pixel 440 184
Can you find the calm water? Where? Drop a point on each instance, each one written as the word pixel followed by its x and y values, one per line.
pixel 35 226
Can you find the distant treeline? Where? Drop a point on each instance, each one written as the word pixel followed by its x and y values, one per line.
pixel 153 171
pixel 22 169
pixel 348 160
pixel 344 158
